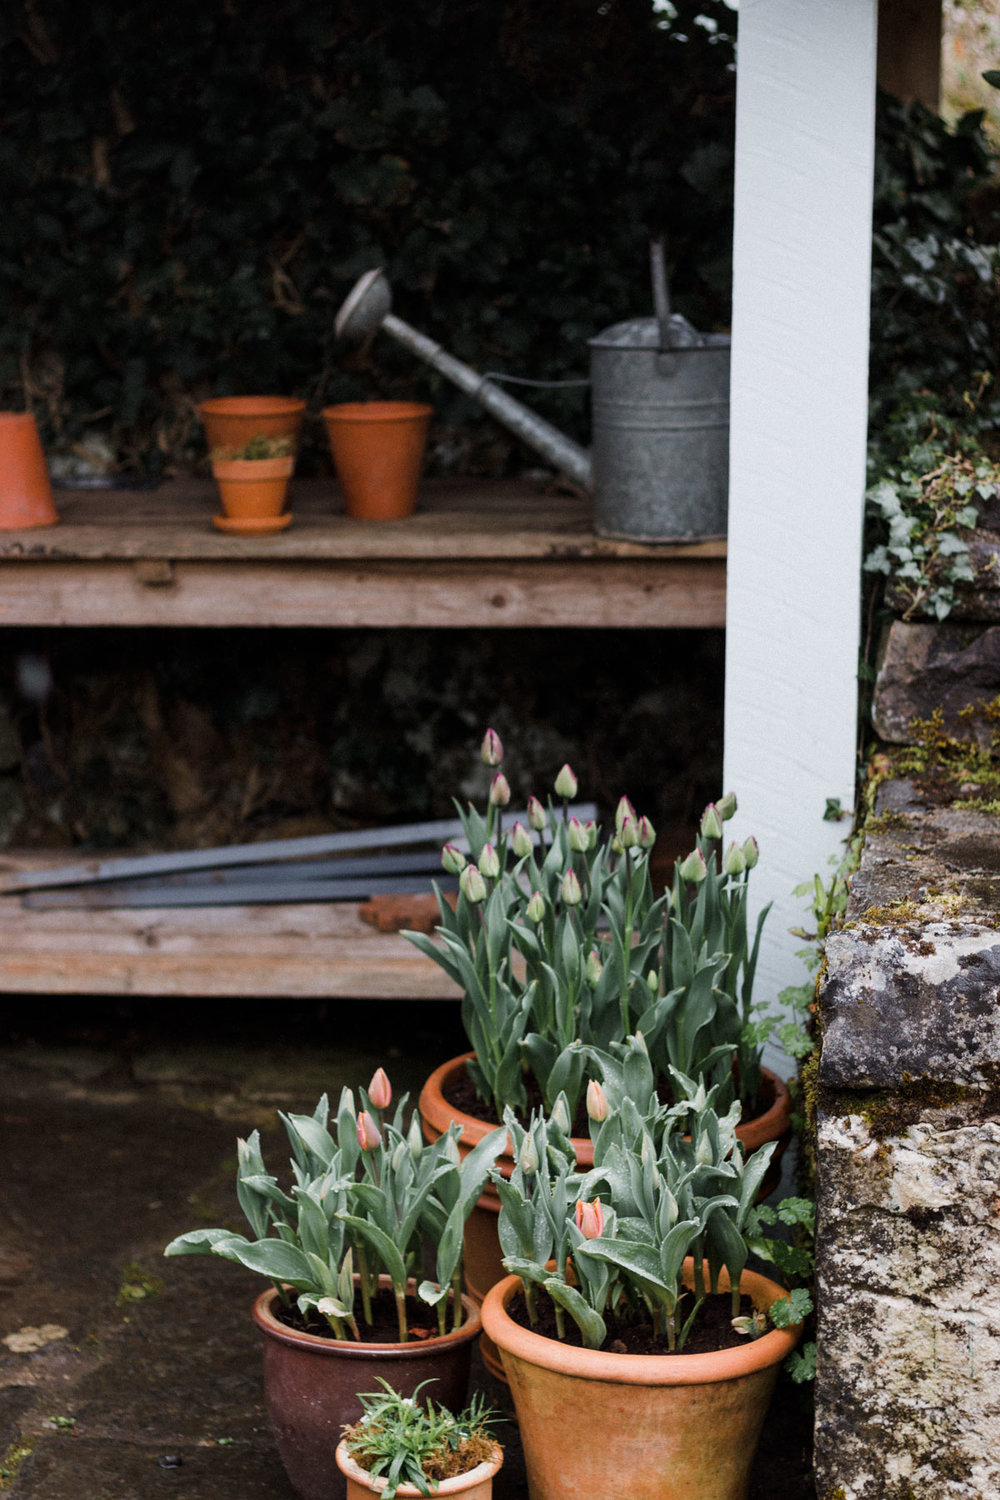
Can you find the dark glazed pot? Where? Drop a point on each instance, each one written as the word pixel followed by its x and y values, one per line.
pixel 311 1386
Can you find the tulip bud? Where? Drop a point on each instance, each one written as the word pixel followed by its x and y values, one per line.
pixel 520 840
pixel 535 909
pixel 528 1161
pixel 399 1155
pixel 566 783
pixel 415 1136
pixel 726 806
pixel 652 981
pixel 628 834
pixel 489 862
pixel 673 1212
pixel 597 1101
pixel 751 852
pixel 453 859
pixel 570 890
pixel 711 823
pixel 499 790
pixel 647 833
pixel 590 1218
pixel 472 885
pixel 591 828
pixel 703 1151
pixel 693 868
pixel 560 1114
pixel 537 816
pixel 579 839
pixel 451 1151
pixel 734 861
pixel 622 811
pixel 369 1135
pixel 594 968
pixel 380 1089
pixel 491 749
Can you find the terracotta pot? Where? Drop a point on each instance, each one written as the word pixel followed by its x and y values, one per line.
pixel 482 1258
pixel 231 421
pixel 311 1386
pixel 378 452
pixel 25 487
pixel 253 493
pixel 652 1427
pixel 477 1484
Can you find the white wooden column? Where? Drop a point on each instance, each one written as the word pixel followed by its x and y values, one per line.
pixel 802 252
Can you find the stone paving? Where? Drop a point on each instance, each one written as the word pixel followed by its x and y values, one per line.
pixel 124 1374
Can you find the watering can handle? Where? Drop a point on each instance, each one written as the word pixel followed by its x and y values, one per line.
pixel 661 293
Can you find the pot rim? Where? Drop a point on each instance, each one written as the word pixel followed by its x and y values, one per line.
pixel 642 1369
pixel 454 1486
pixel 376 411
pixel 252 406
pixel 770 1126
pixel 471 1328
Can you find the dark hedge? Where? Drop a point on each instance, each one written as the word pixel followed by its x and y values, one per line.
pixel 190 189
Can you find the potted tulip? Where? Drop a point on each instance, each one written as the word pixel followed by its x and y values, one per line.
pixel 403 1448
pixel 253 483
pixel 561 945
pixel 343 1249
pixel 629 1308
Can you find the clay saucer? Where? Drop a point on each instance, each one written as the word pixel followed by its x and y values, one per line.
pixel 252 525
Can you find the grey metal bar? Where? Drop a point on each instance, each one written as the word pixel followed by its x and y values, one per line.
pixel 270 893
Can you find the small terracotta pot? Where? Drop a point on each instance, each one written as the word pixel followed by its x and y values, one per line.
pixel 311 1386
pixel 652 1427
pixel 253 491
pixel 477 1484
pixel 231 421
pixel 378 452
pixel 25 488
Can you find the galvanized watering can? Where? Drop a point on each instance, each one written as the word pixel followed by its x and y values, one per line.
pixel 658 470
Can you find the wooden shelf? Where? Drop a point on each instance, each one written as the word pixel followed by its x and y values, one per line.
pixel 319 950
pixel 497 554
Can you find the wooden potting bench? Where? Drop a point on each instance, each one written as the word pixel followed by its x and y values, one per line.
pixel 477 554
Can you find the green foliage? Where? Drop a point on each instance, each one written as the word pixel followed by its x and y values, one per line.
pixel 258 447
pixel 404 1442
pixel 189 191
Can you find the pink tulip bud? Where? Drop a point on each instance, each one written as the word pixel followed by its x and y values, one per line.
pixel 693 868
pixel 711 823
pixel 499 790
pixel 726 806
pixel 591 828
pixel 647 833
pixel 369 1135
pixel 622 811
pixel 570 890
pixel 520 841
pixel 590 1218
pixel 597 1101
pixel 453 859
pixel 628 834
pixel 594 967
pixel 537 816
pixel 734 861
pixel 535 909
pixel 491 749
pixel 751 852
pixel 489 862
pixel 380 1089
pixel 566 783
pixel 579 839
pixel 472 885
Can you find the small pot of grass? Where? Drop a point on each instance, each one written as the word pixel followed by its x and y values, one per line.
pixel 407 1447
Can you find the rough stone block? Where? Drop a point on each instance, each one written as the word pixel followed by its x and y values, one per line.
pixel 951 666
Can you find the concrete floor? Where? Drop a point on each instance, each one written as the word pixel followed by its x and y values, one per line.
pixel 124 1374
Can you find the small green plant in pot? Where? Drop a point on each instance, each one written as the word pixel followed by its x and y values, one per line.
pixel 618 1273
pixel 253 484
pixel 344 1246
pixel 402 1447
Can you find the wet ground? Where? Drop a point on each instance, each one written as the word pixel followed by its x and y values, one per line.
pixel 124 1374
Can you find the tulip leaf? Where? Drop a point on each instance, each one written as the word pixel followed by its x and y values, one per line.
pixel 590 1323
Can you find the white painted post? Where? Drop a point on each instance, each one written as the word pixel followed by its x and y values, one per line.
pixel 801 285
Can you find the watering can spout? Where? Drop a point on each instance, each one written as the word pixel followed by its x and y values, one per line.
pixel 367 307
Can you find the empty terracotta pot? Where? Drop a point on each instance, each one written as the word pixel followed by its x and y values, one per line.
pixel 231 421
pixel 378 452
pixel 25 487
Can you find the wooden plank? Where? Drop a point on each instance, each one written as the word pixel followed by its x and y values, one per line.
pixel 313 951
pixel 680 592
pixel 457 519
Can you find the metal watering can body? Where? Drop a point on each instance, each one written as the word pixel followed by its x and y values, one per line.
pixel 658 470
